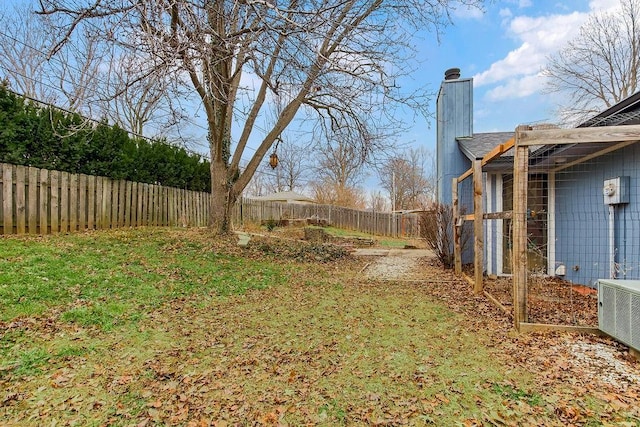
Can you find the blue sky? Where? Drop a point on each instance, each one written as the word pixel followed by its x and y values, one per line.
pixel 504 49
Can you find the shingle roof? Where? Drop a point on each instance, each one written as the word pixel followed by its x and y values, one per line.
pixel 625 112
pixel 477 146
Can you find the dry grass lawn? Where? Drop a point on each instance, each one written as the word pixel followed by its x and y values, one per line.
pixel 176 327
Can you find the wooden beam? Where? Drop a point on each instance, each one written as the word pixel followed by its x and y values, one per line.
pixel 478 226
pixel 541 327
pixel 490 215
pixel 526 136
pixel 519 230
pixel 497 303
pixel 457 229
pixel 465 175
pixel 498 151
pixel 468 279
pixel 594 155
pixel 498 215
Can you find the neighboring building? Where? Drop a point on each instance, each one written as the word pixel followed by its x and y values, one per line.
pixel 285 197
pixel 569 221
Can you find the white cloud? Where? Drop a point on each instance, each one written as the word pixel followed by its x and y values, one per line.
pixel 505 13
pixel 516 88
pixel 525 3
pixel 518 73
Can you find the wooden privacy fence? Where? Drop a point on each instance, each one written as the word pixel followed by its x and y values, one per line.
pixel 40 201
pixel 378 223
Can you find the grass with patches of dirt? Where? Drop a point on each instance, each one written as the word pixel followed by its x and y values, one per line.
pixel 171 327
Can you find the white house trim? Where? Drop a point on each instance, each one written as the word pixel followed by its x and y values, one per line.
pixel 551 223
pixel 489 203
pixel 499 226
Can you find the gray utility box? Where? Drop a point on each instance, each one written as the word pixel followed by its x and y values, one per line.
pixel 619 310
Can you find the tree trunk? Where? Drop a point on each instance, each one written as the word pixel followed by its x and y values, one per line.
pixel 222 198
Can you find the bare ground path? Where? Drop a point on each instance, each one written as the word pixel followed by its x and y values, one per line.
pixel 394 264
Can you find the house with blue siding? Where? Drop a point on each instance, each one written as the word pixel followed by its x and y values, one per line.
pixel 575 230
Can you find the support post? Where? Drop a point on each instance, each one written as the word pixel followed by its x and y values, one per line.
pixel 457 228
pixel 478 227
pixel 519 229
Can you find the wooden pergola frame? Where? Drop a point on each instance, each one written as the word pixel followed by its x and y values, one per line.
pixel 525 136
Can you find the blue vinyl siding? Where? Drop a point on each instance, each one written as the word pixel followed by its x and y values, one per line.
pixel 454 120
pixel 582 218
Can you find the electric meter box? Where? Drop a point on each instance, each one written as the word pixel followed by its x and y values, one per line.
pixel 616 190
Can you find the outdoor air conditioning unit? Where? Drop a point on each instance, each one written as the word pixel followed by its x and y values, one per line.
pixel 619 310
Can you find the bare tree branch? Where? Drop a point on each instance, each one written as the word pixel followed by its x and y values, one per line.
pixel 601 66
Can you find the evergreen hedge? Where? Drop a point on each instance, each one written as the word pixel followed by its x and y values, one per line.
pixel 48 138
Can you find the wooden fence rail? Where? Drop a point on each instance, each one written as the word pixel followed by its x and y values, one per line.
pixel 40 201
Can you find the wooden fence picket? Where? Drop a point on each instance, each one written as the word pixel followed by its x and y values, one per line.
pixel 73 202
pixel 7 199
pixel 44 206
pixel 32 205
pixel 54 201
pixel 82 202
pixel 21 209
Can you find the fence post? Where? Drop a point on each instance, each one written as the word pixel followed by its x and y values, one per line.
pixel 478 226
pixel 91 202
pixel 457 227
pixel 519 256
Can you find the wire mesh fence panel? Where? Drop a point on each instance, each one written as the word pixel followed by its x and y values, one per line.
pixel 589 212
pixel 575 208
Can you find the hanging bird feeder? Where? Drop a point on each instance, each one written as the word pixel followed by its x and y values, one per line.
pixel 273 160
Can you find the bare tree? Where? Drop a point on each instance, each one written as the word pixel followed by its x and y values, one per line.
pixel 339 163
pixel 601 66
pixel 133 101
pixel 68 80
pixel 378 202
pixel 338 58
pixel 338 171
pixel 75 71
pixel 408 179
pixel 292 170
pixel 23 43
pixel 257 186
pixel 344 196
